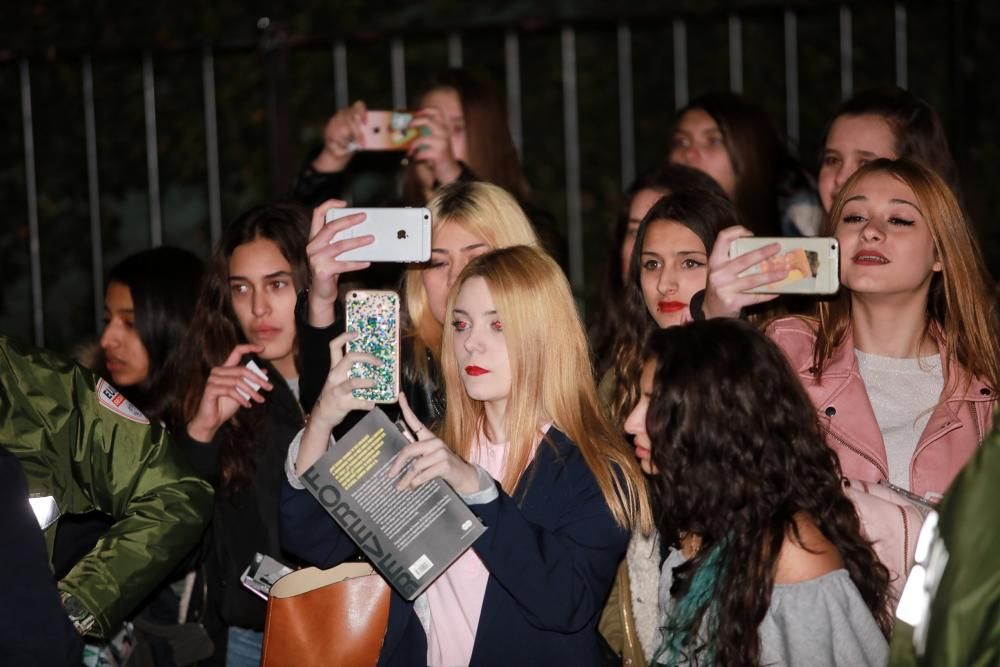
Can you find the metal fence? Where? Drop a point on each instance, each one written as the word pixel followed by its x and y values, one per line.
pixel 274 45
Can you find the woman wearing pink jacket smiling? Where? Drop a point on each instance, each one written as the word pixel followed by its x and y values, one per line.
pixel 903 364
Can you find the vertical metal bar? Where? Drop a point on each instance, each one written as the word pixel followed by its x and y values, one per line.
pixel 152 157
pixel 454 50
pixel 680 64
pixel 846 52
pixel 93 193
pixel 34 244
pixel 340 74
pixel 626 104
pixel 735 53
pixel 571 131
pixel 211 145
pixel 792 77
pixel 512 67
pixel 398 56
pixel 902 71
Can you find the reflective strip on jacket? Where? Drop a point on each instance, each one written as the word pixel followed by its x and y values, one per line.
pixel 91 450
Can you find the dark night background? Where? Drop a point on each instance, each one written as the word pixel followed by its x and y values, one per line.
pixel 952 58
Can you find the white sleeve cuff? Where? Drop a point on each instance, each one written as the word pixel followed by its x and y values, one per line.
pixel 293 454
pixel 487 492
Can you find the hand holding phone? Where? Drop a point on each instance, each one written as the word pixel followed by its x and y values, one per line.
pixel 811 264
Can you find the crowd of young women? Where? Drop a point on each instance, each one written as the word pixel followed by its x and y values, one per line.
pixel 742 527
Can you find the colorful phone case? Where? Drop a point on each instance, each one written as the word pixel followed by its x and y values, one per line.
pixel 374 315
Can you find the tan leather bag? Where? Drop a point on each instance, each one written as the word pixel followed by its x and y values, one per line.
pixel 326 617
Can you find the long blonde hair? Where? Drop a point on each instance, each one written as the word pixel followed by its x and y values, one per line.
pixel 959 304
pixel 551 380
pixel 484 210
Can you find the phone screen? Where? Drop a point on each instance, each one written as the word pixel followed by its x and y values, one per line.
pixel 374 316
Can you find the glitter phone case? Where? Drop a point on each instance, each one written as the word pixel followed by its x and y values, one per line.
pixel 374 314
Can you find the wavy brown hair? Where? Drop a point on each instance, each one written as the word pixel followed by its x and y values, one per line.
pixel 551 380
pixel 215 330
pixel 960 306
pixel 705 212
pixel 739 454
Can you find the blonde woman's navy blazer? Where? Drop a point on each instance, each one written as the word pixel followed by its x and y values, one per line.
pixel 552 550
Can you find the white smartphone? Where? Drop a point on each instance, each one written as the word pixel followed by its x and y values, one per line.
pixel 813 263
pixel 401 234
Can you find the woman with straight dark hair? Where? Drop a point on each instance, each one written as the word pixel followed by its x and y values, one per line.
pixel 239 422
pixel 765 561
pixel 735 142
pixel 635 203
pixel 148 306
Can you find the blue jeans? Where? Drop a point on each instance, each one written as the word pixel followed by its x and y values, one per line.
pixel 244 648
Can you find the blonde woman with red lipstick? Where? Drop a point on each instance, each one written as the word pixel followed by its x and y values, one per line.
pixel 525 443
pixel 903 365
pixel 239 423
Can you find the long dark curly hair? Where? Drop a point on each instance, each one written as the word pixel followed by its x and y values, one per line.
pixel 215 330
pixel 739 453
pixel 705 212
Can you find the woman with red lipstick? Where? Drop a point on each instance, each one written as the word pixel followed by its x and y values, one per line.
pixel 668 267
pixel 636 201
pixel 528 448
pixel 239 423
pixel 903 364
pixel 468 220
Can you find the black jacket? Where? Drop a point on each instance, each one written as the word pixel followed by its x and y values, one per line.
pixel 551 550
pixel 246 521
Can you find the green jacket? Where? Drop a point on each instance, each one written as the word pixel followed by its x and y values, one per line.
pixel 81 443
pixel 963 626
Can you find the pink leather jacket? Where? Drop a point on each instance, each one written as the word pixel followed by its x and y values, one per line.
pixel 956 427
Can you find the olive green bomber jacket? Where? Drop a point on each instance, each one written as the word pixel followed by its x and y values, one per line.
pixel 81 443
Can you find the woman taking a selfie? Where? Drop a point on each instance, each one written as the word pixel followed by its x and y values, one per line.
pixel 903 364
pixel 525 444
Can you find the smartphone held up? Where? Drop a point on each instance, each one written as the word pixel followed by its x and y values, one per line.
pixel 813 264
pixel 374 316
pixel 388 131
pixel 401 234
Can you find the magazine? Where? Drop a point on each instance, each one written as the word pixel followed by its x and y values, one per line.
pixel 410 536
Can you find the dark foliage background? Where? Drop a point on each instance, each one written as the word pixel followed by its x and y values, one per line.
pixel 952 57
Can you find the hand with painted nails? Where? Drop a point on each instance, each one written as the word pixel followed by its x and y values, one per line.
pixel 342 136
pixel 229 387
pixel 430 458
pixel 726 293
pixel 336 399
pixel 325 265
